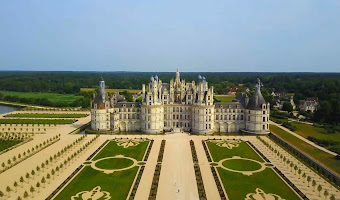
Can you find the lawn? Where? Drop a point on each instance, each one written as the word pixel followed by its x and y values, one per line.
pixel 36 121
pixel 118 184
pixel 306 130
pixel 225 98
pixel 324 158
pixel 34 115
pixel 5 144
pixel 53 97
pixel 238 185
pixel 112 90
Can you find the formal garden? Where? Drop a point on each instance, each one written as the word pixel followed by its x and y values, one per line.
pixel 110 173
pixel 243 173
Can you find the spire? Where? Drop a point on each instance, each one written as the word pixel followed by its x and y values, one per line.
pixel 177 75
pixel 256 100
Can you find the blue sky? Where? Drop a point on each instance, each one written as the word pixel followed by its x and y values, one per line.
pixel 131 35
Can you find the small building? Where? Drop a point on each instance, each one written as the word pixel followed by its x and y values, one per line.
pixel 310 104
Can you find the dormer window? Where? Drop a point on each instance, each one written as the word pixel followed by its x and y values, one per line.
pixel 124 105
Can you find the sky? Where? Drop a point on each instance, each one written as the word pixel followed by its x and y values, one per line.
pixel 157 36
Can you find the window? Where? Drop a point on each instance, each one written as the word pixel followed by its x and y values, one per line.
pixel 263 127
pixel 206 126
pixel 148 125
pixel 209 126
pixel 248 118
pixel 216 117
pixel 208 98
pixel 150 98
pixel 264 112
pixel 264 119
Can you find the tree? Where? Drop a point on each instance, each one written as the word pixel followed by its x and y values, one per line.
pixel 8 190
pixel 43 181
pixel 326 193
pixel 38 169
pixel 304 176
pixel 22 181
pixel 38 186
pixel 9 162
pixel 313 184
pixel 15 184
pixel 1 194
pixel 32 173
pixel 3 165
pixel 32 190
pixel 309 180
pixel 287 106
pixel 19 198
pixel 48 176
pixel 319 189
pixel 295 168
pixel 14 159
pixel 52 172
pixel 25 194
pixel 42 166
pixel 332 197
pixel 299 172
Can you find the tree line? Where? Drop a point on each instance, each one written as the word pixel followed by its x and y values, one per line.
pixel 325 86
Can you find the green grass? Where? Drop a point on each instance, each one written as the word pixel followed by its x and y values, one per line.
pixel 324 158
pixel 5 144
pixel 111 90
pixel 114 163
pixel 225 98
pixel 33 115
pixel 306 130
pixel 244 151
pixel 118 184
pixel 53 97
pixel 238 185
pixel 36 121
pixel 241 165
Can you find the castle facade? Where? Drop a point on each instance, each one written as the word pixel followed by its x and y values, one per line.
pixel 180 106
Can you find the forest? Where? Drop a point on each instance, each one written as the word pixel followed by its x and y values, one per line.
pixel 325 86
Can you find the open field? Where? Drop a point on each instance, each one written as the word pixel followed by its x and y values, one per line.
pixel 306 130
pixel 35 115
pixel 224 98
pixel 118 183
pixel 36 121
pixel 324 158
pixel 112 90
pixel 5 144
pixel 238 185
pixel 53 97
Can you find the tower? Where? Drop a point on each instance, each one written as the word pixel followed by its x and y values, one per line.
pixel 257 112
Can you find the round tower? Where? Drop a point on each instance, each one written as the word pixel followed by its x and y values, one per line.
pixel 257 112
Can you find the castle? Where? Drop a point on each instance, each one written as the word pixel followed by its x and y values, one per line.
pixel 180 106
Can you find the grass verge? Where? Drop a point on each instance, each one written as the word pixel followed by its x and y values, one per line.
pixel 324 158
